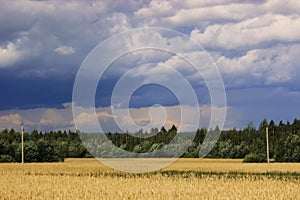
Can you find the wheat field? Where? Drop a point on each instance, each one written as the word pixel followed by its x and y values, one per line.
pixel 184 179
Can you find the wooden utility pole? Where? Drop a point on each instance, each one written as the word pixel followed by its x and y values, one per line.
pixel 22 129
pixel 267 140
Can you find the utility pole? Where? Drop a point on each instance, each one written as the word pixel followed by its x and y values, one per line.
pixel 267 140
pixel 22 129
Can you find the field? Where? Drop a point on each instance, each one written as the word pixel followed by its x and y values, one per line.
pixel 184 179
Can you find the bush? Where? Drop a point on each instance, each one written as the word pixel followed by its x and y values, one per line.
pixel 6 159
pixel 255 158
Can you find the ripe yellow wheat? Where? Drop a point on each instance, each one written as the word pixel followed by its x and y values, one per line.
pixel 87 179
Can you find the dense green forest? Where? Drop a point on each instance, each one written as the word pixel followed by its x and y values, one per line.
pixel 248 143
pixel 41 147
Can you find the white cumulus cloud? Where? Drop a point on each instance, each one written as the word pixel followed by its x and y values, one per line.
pixel 250 33
pixel 9 55
pixel 64 50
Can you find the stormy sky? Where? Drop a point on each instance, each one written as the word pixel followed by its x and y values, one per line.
pixel 254 44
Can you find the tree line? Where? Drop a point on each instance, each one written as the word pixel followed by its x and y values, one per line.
pixel 248 143
pixel 50 146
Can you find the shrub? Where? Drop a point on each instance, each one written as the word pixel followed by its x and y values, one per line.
pixel 6 159
pixel 255 158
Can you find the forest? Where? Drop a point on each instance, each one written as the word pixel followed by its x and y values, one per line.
pixel 248 144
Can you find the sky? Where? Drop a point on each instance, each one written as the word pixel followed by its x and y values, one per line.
pixel 255 46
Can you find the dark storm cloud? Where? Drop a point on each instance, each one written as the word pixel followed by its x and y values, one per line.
pixel 34 93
